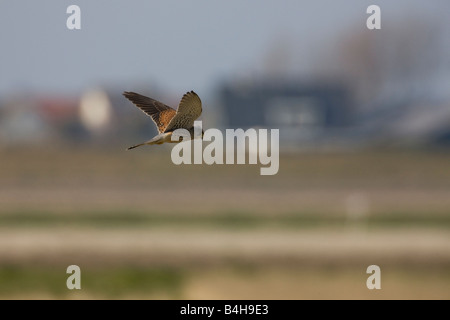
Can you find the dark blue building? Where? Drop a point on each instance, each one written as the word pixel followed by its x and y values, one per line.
pixel 287 105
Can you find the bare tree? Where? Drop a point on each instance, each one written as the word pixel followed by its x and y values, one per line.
pixel 400 61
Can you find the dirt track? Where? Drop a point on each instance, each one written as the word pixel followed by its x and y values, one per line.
pixel 177 247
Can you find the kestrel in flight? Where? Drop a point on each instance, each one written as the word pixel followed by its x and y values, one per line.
pixel 166 118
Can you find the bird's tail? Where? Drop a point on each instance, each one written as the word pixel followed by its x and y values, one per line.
pixel 159 139
pixel 138 145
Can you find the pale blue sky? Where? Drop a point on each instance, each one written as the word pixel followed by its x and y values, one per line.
pixel 175 45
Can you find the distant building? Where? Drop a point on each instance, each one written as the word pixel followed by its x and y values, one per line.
pixel 302 111
pixel 29 120
pixel 410 124
pixel 98 116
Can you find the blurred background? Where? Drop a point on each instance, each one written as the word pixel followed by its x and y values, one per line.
pixel 364 179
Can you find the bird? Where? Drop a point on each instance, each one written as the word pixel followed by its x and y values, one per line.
pixel 166 118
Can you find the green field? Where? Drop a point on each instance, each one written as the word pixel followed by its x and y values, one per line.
pixel 140 227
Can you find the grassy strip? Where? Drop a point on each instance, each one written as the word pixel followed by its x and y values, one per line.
pixel 111 282
pixel 223 220
pixel 258 282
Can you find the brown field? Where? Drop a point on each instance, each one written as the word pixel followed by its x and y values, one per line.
pixel 140 227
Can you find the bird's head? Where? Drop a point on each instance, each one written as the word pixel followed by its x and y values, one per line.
pixel 192 131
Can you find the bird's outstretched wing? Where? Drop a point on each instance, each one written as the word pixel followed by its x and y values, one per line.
pixel 189 109
pixel 160 113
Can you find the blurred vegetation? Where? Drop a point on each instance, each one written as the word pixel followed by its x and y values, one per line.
pixel 140 227
pixel 105 283
pixel 222 220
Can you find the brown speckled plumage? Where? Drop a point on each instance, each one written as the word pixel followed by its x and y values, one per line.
pixel 166 118
pixel 159 112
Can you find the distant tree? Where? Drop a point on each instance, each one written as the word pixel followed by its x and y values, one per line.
pixel 402 61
